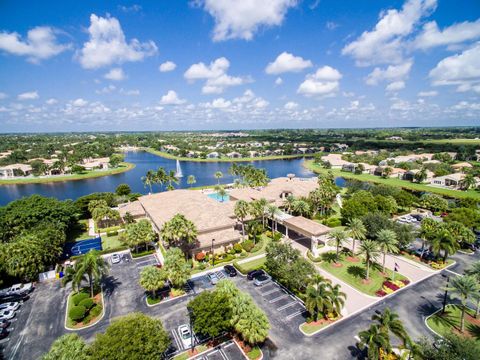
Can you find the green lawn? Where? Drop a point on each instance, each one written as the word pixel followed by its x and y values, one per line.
pixel 251 265
pixel 69 322
pixel 111 242
pixel 79 232
pixel 449 322
pixel 310 328
pixel 185 355
pixel 353 273
pixel 309 164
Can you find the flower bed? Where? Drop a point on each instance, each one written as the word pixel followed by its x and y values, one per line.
pixel 390 286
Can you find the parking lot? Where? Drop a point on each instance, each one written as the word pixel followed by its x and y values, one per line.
pixel 148 260
pixel 227 351
pixel 203 282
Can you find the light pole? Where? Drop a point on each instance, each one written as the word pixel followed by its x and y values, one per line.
pixel 192 342
pixel 213 255
pixel 446 293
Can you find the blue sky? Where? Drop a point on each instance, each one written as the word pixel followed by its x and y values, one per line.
pixel 226 64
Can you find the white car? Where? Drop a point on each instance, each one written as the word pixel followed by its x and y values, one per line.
pixel 21 288
pixel 213 278
pixel 10 306
pixel 185 335
pixel 7 314
pixel 116 259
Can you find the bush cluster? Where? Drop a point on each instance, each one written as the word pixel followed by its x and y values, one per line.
pixel 77 298
pixel 112 233
pixel 248 245
pixel 77 312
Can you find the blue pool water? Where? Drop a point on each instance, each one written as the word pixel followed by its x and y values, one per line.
pixel 217 197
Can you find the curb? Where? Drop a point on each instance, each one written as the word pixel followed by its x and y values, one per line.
pixel 165 301
pixel 90 325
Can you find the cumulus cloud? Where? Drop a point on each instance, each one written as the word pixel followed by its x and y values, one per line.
pixel 324 82
pixel 41 43
pixel 395 86
pixel 461 69
pixel 130 9
pixel 286 62
pixel 431 36
pixel 3 95
pixel 79 102
pixel 167 66
pixel 384 44
pixel 30 95
pixel 171 98
pixel 219 103
pixel 291 105
pixel 330 25
pixel 428 93
pixel 107 89
pixel 390 74
pixel 134 92
pixel 51 101
pixel 215 74
pixel 107 45
pixel 115 74
pixel 278 81
pixel 242 19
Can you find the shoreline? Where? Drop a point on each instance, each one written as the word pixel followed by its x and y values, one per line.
pixel 458 194
pixel 126 166
pixel 245 159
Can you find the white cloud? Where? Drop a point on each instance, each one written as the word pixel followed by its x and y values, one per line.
pixel 115 74
pixel 51 101
pixel 330 25
pixel 384 43
pixel 107 45
pixel 134 92
pixel 241 19
pixel 395 86
pixel 460 69
pixel 30 95
pixel 278 81
pixel 171 98
pixel 79 102
pixel 431 36
pixel 3 96
pixel 390 74
pixel 219 103
pixel 167 66
pixel 107 89
pixel 128 9
pixel 286 62
pixel 324 82
pixel 215 74
pixel 41 43
pixel 427 93
pixel 291 105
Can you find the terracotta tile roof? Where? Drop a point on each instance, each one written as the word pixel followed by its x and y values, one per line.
pixel 306 226
pixel 134 208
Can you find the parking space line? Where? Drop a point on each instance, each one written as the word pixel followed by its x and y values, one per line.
pixel 177 340
pixel 287 305
pixel 270 292
pixel 291 316
pixel 279 298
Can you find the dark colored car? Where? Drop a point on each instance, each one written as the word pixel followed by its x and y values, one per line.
pixel 4 324
pixel 3 333
pixel 254 274
pixel 13 298
pixel 230 270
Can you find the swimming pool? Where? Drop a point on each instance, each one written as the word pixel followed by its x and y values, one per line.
pixel 217 197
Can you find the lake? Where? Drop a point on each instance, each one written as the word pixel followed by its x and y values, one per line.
pixel 203 172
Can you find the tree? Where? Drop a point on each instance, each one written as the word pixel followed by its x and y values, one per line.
pixel 338 298
pixel 134 336
pixel 387 242
pixel 357 231
pixel 218 176
pixel 149 179
pixel 452 347
pixel 171 178
pixel 191 180
pixel 434 202
pixel 222 193
pixel 464 287
pixel 387 172
pixel 339 236
pixel 470 217
pixel 123 189
pixel 210 313
pixel 359 204
pixel 474 271
pixel 77 169
pixel 301 207
pixel 468 182
pixel 241 211
pixel 376 341
pixel 318 299
pixel 254 230
pixel 288 203
pixel 443 241
pixel 428 230
pixel 90 265
pixel 421 176
pixel 177 269
pixel 115 160
pixel 389 322
pixel 152 279
pixel 139 233
pixel 253 326
pixel 179 231
pixel 67 347
pixel 272 212
pixel 128 218
pixel 369 248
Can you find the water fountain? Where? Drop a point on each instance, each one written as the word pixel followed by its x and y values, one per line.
pixel 178 173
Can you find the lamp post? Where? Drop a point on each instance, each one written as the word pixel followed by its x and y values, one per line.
pixel 213 255
pixel 192 337
pixel 446 293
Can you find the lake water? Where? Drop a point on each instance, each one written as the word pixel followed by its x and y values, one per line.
pixel 203 172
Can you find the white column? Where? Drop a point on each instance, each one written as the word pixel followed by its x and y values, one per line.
pixel 314 248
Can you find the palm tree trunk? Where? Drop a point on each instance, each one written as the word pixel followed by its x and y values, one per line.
pixel 353 246
pixel 384 256
pixel 462 323
pixel 477 310
pixel 243 229
pixel 90 279
pixel 338 250
pixel 368 268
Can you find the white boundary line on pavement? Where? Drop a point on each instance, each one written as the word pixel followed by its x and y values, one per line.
pixel 88 326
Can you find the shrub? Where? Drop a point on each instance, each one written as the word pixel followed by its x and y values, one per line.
pixel 231 252
pixel 87 319
pixel 201 266
pixel 333 222
pixel 238 248
pixel 87 303
pixel 77 313
pixel 112 233
pixel 77 298
pixel 248 245
pixel 268 233
pixel 277 236
pixel 200 256
pixel 96 310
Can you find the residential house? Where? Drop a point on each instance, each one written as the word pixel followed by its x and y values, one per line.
pixel 234 155
pixel 335 160
pixel 213 155
pixel 395 138
pixel 96 163
pixel 410 175
pixel 14 170
pixel 452 181
pixel 461 166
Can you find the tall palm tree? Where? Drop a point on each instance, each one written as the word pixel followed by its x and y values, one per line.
pixel 337 298
pixel 468 182
pixel 171 178
pixel 428 230
pixel 262 204
pixel 301 207
pixel 161 177
pixel 387 242
pixel 191 180
pixel 218 175
pixel 152 279
pixel 389 322
pixel 149 179
pixel 357 231
pixel 339 236
pixel 179 231
pixel 421 175
pixel 241 211
pixel 318 299
pixel 272 211
pixel 444 242
pixel 222 192
pixel 376 341
pixel 464 287
pixel 92 266
pixel 288 203
pixel 72 275
pixel 475 271
pixel 369 248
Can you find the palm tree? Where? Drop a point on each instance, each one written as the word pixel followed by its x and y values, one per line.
pixel 262 204
pixel 387 242
pixel 191 180
pixel 428 230
pixel 272 211
pixel 318 299
pixel 339 236
pixel 149 179
pixel 74 276
pixel 421 176
pixel 171 178
pixel 152 279
pixel 301 207
pixel 468 182
pixel 241 211
pixel 161 177
pixel 475 271
pixel 222 192
pixel 179 231
pixel 92 266
pixel 337 298
pixel 444 242
pixel 253 326
pixel 389 322
pixel 464 287
pixel 218 175
pixel 376 341
pixel 288 203
pixel 387 171
pixel 357 231
pixel 369 248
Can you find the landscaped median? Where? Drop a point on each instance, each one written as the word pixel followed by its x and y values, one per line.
pixel 83 310
pixel 435 265
pixel 449 322
pixel 310 328
pixel 252 353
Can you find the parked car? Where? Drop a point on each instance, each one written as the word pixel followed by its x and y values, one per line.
pixel 186 335
pixel 262 280
pixel 7 314
pixel 116 259
pixel 230 270
pixel 4 324
pixel 3 333
pixel 21 288
pixel 10 306
pixel 213 278
pixel 254 273
pixel 13 297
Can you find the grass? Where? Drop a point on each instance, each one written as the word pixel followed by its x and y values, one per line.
pixel 255 264
pixel 111 242
pixel 255 353
pixel 70 323
pixel 449 322
pixel 79 232
pixel 226 159
pixel 185 355
pixel 353 273
pixel 309 164
pixel 124 166
pixel 313 327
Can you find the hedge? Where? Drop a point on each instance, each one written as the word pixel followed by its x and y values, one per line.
pixel 87 303
pixel 77 313
pixel 96 310
pixel 248 245
pixel 78 298
pixel 112 233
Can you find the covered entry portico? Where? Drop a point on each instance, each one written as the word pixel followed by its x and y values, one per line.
pixel 308 228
